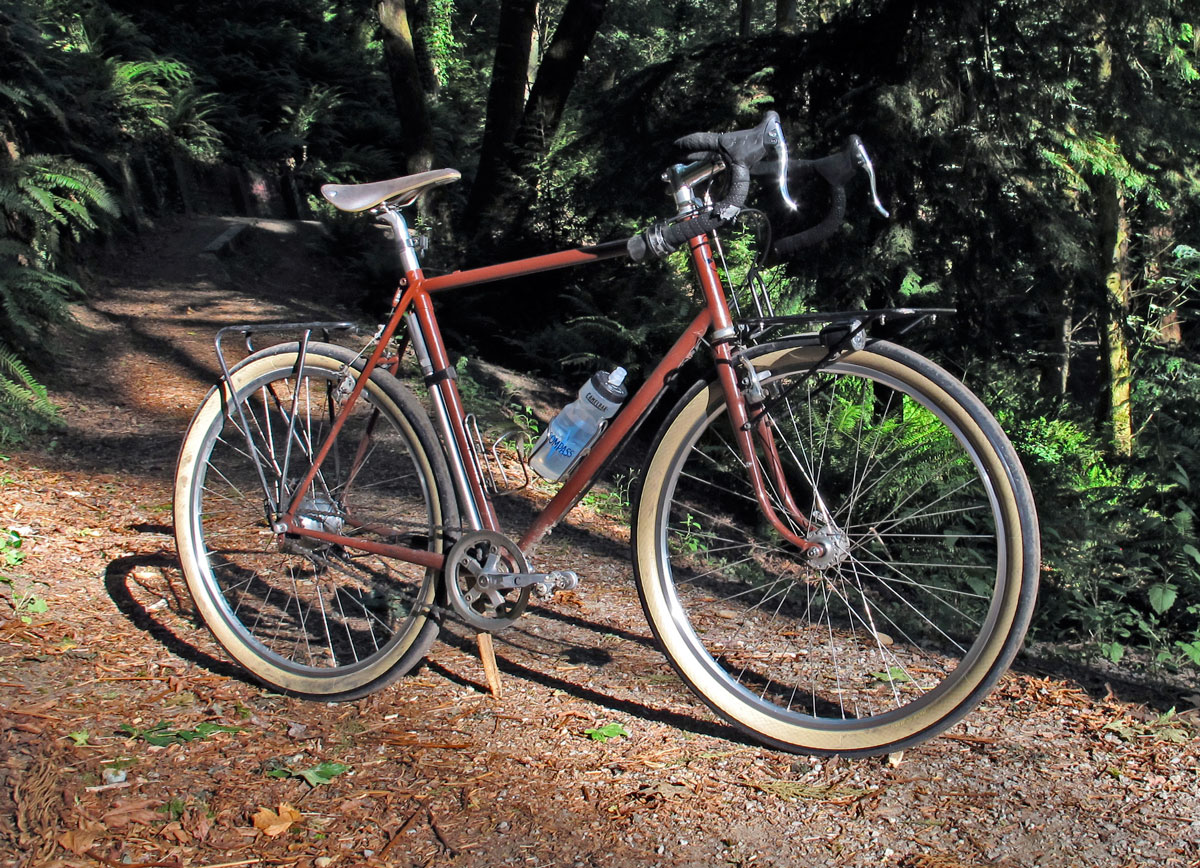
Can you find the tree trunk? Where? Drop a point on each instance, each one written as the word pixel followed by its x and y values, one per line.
pixel 1113 231
pixel 514 184
pixel 1056 369
pixel 786 15
pixel 556 76
pixel 404 72
pixel 1114 247
pixel 420 21
pixel 506 100
pixel 1168 330
pixel 745 13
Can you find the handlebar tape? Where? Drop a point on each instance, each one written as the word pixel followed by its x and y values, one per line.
pixel 785 247
pixel 837 170
pixel 741 150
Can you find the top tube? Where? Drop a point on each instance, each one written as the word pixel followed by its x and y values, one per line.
pixel 522 267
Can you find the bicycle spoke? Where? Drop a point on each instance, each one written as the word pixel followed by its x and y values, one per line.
pixel 879 618
pixel 289 599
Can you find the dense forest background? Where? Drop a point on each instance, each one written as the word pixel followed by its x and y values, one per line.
pixel 1042 162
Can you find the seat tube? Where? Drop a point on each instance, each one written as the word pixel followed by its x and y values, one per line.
pixel 447 409
pixel 426 338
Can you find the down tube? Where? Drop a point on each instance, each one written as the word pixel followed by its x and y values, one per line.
pixel 585 474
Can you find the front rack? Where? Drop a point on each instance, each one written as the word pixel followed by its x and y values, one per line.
pixel 856 319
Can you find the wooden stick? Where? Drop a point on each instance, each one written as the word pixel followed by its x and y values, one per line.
pixel 487 656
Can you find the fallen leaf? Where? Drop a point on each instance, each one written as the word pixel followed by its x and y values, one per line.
pixel 606 733
pixel 77 841
pixel 662 790
pixel 132 812
pixel 176 831
pixel 274 824
pixel 322 774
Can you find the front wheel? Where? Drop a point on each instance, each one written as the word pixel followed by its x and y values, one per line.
pixel 930 565
pixel 307 617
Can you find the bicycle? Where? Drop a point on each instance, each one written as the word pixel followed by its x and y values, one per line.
pixel 834 542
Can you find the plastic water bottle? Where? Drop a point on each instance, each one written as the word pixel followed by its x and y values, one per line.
pixel 578 424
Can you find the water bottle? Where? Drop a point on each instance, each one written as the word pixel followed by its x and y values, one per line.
pixel 578 424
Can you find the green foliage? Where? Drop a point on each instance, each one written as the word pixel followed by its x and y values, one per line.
pixel 1176 45
pixel 50 192
pixel 1122 569
pixel 162 734
pixel 26 603
pixel 1096 154
pixel 11 552
pixel 41 198
pixel 893 675
pixel 1164 727
pixel 444 49
pixel 315 776
pixel 25 407
pixel 913 289
pixel 606 733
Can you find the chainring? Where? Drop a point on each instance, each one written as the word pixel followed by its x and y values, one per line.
pixel 478 553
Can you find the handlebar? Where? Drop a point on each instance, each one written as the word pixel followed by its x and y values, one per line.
pixel 743 154
pixel 837 170
pixel 739 151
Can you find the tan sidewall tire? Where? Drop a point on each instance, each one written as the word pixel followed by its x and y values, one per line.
pixel 1008 619
pixel 420 631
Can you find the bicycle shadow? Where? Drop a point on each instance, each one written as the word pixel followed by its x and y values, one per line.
pixel 148 590
pixel 143 590
pixel 682 721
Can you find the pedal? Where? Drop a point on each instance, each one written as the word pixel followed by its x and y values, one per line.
pixel 557 580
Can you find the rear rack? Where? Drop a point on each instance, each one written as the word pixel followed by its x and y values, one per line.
pixel 247 331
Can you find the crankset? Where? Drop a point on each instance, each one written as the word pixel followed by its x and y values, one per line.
pixel 489 583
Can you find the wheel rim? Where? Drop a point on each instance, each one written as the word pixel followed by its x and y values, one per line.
pixel 779 645
pixel 310 610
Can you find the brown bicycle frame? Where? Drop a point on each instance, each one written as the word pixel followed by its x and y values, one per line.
pixel 415 295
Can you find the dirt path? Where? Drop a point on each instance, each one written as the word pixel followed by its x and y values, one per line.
pixel 435 771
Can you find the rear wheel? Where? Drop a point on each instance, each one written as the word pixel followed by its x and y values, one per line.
pixel 303 616
pixel 931 555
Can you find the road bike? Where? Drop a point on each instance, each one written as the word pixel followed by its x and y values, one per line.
pixel 833 540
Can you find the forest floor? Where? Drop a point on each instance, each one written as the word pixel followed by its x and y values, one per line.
pixel 128 738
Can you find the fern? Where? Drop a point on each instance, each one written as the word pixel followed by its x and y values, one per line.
pixel 30 297
pixel 17 96
pixel 25 406
pixel 52 192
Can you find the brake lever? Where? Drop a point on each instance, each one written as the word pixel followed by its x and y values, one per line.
pixel 858 153
pixel 775 136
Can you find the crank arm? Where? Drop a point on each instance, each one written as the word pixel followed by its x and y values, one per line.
pixel 563 580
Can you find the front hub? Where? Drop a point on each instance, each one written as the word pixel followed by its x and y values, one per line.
pixel 834 548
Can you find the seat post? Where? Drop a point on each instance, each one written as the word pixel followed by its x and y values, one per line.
pixel 404 242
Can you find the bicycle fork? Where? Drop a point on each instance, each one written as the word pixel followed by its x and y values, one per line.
pixel 755 433
pixel 753 427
